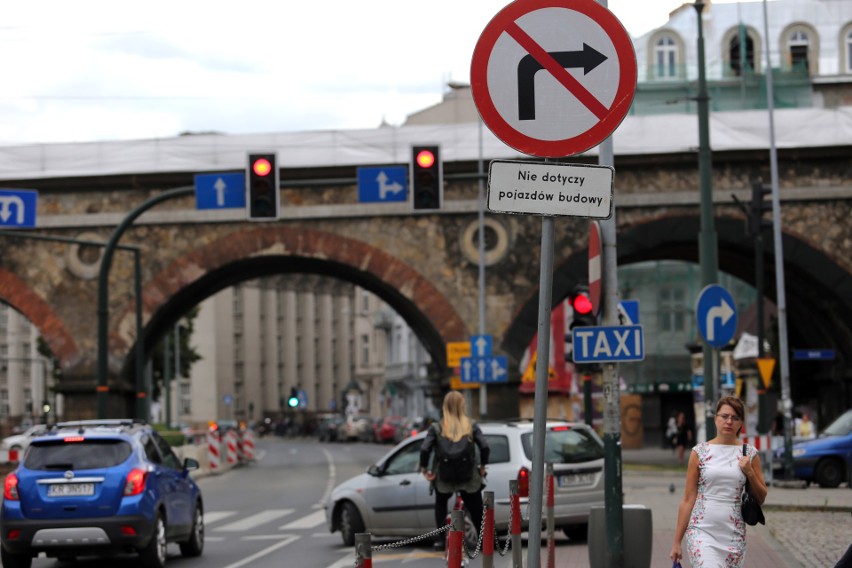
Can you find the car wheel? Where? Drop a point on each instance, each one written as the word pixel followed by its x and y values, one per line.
pixel 12 560
pixel 576 533
pixel 194 545
pixel 351 523
pixel 829 473
pixel 154 555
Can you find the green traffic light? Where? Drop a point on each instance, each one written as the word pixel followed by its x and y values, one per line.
pixel 293 402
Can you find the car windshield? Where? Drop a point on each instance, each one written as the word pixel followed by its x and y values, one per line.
pixel 840 427
pixel 88 454
pixel 566 445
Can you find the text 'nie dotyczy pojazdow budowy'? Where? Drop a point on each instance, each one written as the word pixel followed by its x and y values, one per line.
pixel 550 189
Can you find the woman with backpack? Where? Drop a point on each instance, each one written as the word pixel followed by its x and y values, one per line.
pixel 454 467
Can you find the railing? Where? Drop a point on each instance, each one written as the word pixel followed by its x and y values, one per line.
pixel 457 554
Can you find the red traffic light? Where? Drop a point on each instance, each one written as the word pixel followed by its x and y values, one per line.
pixel 582 304
pixel 425 159
pixel 261 167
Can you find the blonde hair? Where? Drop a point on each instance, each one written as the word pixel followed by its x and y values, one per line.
pixel 455 424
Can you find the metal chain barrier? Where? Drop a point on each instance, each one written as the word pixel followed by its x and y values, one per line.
pixel 412 540
pixel 508 544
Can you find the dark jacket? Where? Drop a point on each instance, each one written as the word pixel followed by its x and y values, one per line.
pixel 430 441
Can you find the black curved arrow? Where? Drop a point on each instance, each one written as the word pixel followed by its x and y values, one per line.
pixel 588 59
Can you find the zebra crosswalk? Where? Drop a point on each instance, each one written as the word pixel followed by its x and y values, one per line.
pixel 219 523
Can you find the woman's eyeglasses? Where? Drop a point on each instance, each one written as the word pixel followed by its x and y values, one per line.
pixel 726 417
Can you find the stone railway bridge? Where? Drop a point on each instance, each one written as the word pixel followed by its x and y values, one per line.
pixel 423 264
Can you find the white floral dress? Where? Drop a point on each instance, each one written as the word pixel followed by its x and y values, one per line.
pixel 716 534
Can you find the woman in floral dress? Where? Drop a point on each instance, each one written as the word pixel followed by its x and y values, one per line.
pixel 709 513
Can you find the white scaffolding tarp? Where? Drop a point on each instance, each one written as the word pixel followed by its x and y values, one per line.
pixel 637 135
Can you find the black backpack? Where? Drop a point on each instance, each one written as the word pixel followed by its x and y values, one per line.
pixel 456 460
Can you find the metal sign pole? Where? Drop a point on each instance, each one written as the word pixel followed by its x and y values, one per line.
pixel 545 305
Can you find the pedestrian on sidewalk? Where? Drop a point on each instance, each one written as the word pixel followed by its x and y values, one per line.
pixel 454 468
pixel 710 512
pixel 671 432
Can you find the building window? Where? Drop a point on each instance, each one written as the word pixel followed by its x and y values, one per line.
pixel 665 56
pixel 4 403
pixel 365 350
pixel 847 50
pixel 672 310
pixel 735 54
pixel 184 399
pixel 798 49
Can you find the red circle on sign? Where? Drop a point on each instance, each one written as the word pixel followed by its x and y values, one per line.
pixel 505 22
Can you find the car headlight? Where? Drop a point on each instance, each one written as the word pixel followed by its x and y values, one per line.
pixel 799 452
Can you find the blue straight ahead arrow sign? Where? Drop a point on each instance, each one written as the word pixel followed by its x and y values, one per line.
pixel 220 191
pixel 485 369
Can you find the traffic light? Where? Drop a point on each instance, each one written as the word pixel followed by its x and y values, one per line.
pixel 427 177
pixel 758 207
pixel 581 302
pixel 293 401
pixel 262 196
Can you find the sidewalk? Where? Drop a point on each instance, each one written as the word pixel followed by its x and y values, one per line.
pixel 813 524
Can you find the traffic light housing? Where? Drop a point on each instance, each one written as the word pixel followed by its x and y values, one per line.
pixel 262 195
pixel 293 400
pixel 584 316
pixel 758 207
pixel 427 177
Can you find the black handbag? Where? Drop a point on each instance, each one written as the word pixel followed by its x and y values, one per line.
pixel 752 513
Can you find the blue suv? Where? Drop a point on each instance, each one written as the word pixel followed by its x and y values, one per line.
pixel 100 487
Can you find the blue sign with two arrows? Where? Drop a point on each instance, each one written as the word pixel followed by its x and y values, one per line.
pixel 18 208
pixel 378 185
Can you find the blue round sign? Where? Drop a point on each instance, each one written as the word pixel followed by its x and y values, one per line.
pixel 716 313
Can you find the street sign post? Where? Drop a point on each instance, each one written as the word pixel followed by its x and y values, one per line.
pixel 18 208
pixel 716 313
pixel 614 344
pixel 220 191
pixel 553 78
pixel 595 280
pixel 383 184
pixel 485 369
pixel 550 189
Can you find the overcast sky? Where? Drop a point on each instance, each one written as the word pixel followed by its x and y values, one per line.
pixel 106 70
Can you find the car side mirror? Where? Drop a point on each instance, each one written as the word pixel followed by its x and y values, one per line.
pixel 374 470
pixel 189 464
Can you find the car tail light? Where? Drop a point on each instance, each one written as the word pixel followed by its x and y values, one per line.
pixel 135 482
pixel 524 482
pixel 10 487
pixel 14 534
pixel 560 428
pixel 127 530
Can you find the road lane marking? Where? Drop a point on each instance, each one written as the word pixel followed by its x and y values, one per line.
pixel 211 517
pixel 332 475
pixel 255 520
pixel 286 539
pixel 313 520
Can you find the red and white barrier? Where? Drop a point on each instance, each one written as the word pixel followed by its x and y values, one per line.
pixel 213 448
pixel 231 453
pixel 762 443
pixel 248 445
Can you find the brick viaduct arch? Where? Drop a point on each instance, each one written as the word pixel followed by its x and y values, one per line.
pixel 279 250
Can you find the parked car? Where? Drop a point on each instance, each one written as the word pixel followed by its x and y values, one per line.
pixel 352 428
pixel 825 460
pixel 20 442
pixel 328 428
pixel 385 430
pixel 98 487
pixel 393 499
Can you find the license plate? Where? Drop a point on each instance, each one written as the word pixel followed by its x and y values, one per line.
pixel 574 479
pixel 70 489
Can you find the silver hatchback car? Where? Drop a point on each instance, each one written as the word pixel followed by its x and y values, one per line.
pixel 393 499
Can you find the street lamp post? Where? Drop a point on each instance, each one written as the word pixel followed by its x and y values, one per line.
pixel 707 236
